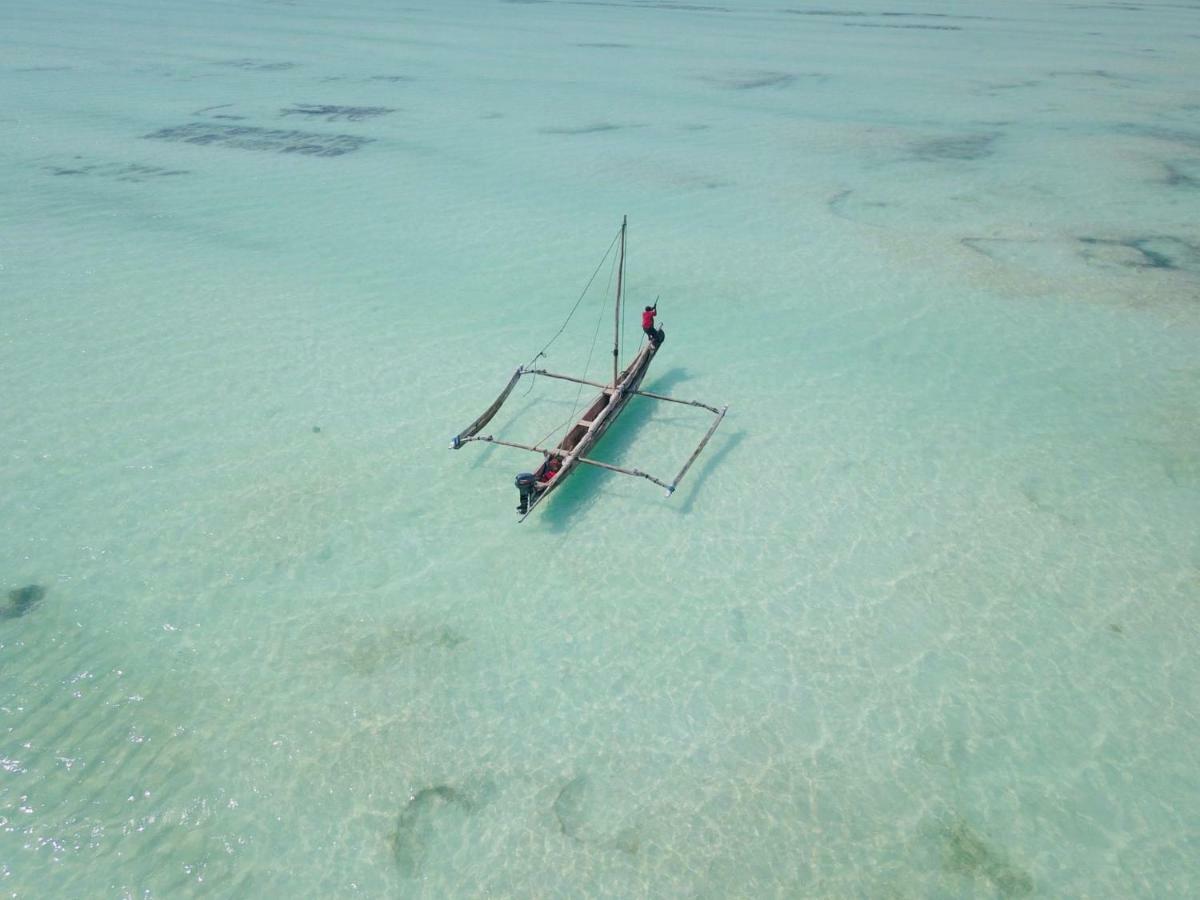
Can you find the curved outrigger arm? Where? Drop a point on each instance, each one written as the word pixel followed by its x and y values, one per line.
pixel 473 429
pixel 704 440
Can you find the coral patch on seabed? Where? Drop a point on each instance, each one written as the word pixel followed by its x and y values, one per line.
pixel 585 129
pixel 377 650
pixel 965 852
pixel 1122 262
pixel 1175 176
pixel 133 172
pixel 964 147
pixel 749 81
pixel 769 79
pixel 22 600
pixel 1154 252
pixel 838 203
pixel 662 4
pixel 1189 139
pixel 269 140
pixel 257 65
pixel 336 113
pixel 912 27
pixel 574 810
pixel 427 812
pixel 858 13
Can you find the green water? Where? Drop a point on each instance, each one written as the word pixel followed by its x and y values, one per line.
pixel 921 621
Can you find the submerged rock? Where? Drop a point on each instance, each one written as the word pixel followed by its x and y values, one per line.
pixel 23 599
pixel 429 811
pixel 969 854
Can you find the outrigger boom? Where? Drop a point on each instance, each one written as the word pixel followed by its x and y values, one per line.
pixel 638 473
pixel 559 462
pixel 609 386
pixel 591 462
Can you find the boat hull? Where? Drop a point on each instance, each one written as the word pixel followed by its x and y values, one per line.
pixel 587 431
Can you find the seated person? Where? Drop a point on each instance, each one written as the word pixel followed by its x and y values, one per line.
pixel 553 465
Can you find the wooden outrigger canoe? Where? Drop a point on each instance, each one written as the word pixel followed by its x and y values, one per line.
pixel 571 451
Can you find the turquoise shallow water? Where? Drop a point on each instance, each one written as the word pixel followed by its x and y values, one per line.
pixel 921 622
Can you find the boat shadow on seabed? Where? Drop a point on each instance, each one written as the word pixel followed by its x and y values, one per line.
pixel 581 491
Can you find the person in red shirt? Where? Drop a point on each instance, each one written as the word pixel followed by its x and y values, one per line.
pixel 652 333
pixel 553 464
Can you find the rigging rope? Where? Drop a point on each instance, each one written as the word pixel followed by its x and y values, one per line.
pixel 557 334
pixel 587 365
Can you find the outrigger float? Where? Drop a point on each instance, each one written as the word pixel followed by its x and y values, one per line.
pixel 560 461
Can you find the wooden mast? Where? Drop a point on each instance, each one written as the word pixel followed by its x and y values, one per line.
pixel 617 312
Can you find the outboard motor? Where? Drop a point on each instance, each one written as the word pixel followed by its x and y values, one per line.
pixel 527 485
